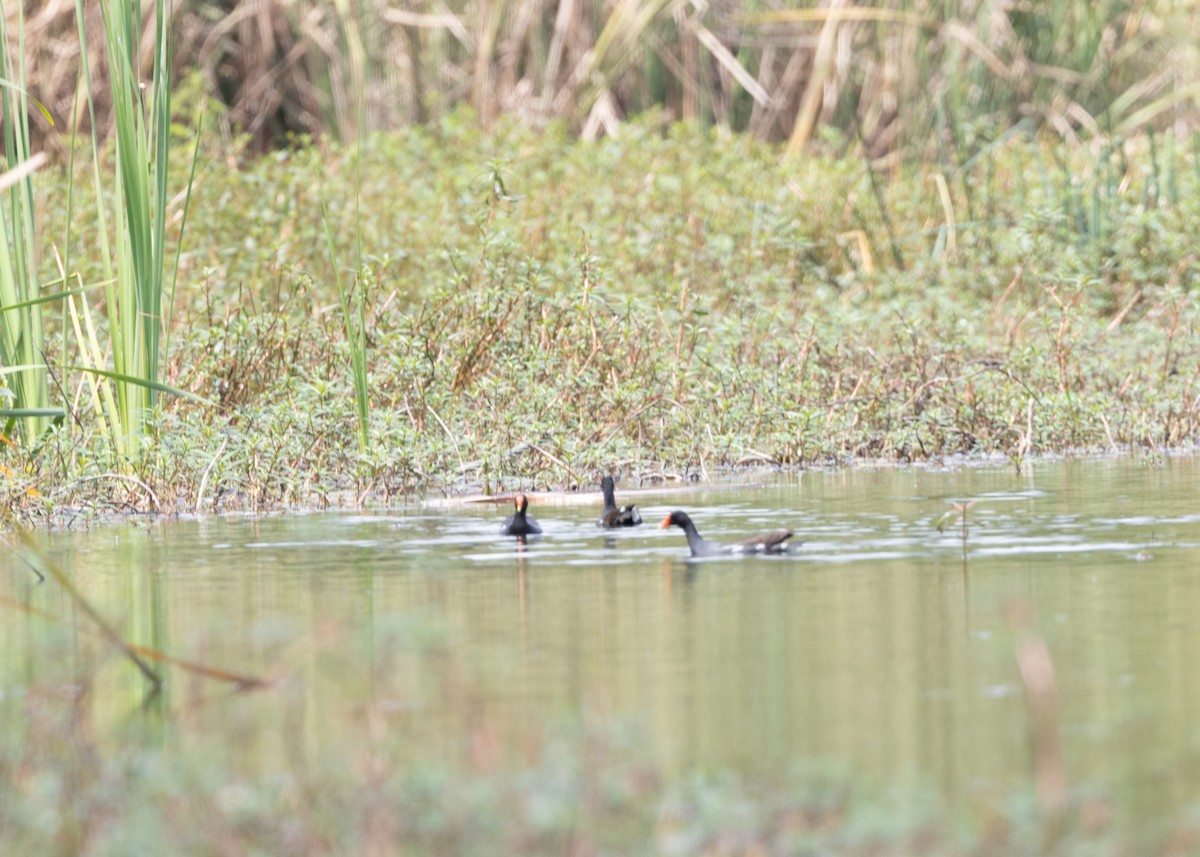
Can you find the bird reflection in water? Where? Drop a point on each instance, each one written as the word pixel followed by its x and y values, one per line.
pixel 522 547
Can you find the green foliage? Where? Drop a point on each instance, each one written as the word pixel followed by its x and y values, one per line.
pixel 356 340
pixel 25 382
pixel 140 285
pixel 537 309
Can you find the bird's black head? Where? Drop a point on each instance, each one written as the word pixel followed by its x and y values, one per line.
pixel 675 519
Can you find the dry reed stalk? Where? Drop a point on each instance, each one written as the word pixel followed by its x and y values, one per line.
pixel 822 66
pixel 283 67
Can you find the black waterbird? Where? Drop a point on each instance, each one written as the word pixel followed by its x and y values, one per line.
pixel 519 523
pixel 767 543
pixel 612 516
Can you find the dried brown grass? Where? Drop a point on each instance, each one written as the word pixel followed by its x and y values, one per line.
pixel 891 75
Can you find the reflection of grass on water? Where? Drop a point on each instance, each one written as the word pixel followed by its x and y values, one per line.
pixel 578 791
pixel 407 760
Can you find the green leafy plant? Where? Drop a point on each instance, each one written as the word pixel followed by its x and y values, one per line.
pixel 356 339
pixel 139 286
pixel 25 375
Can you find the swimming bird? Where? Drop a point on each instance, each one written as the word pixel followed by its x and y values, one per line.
pixel 772 543
pixel 518 523
pixel 613 517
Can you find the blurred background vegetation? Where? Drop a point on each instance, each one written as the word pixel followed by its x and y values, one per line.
pixel 1037 163
pixel 909 79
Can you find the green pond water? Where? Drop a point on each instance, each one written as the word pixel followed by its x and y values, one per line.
pixel 876 648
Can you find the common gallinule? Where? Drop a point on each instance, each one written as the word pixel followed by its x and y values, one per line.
pixel 518 523
pixel 773 542
pixel 613 517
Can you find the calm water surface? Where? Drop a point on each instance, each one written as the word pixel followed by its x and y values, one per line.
pixel 876 648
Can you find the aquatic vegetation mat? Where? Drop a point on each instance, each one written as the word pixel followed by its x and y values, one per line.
pixel 533 310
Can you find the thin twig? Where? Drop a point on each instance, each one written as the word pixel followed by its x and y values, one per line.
pixel 83 604
pixel 556 460
pixel 208 470
pixel 449 434
pixel 121 478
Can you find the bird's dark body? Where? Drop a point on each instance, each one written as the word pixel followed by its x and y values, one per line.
pixel 774 542
pixel 520 523
pixel 613 516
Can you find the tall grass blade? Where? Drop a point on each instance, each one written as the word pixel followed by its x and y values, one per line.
pixel 810 102
pixel 21 337
pixel 27 413
pixel 156 386
pixel 103 398
pixel 187 205
pixel 135 301
pixel 45 299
